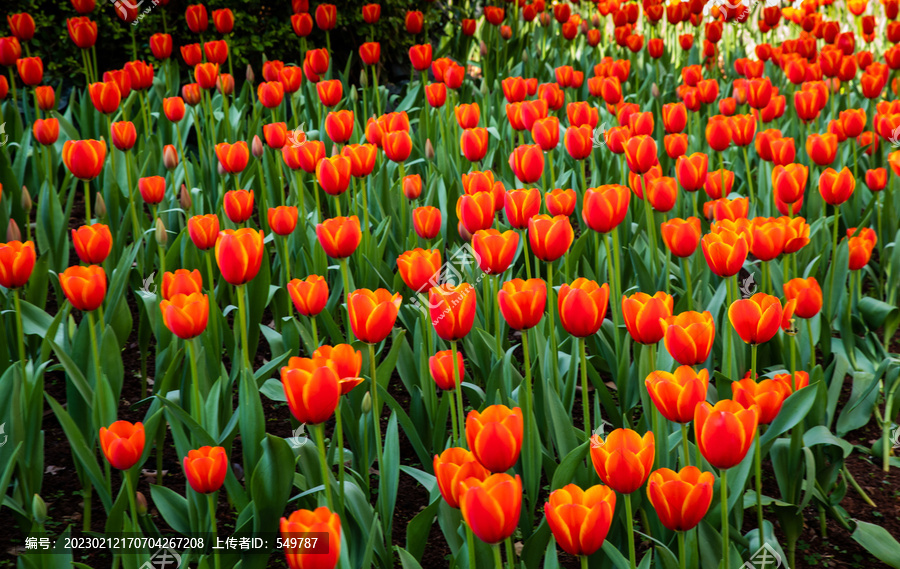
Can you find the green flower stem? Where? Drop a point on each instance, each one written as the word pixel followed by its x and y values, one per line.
pixel 95 350
pixel 21 330
pixel 453 421
pixel 585 400
pixel 323 464
pixel 315 333
pixel 682 554
pixel 655 416
pixel 287 263
pixel 498 561
pixel 834 245
pixel 724 488
pixel 684 443
pixel 346 278
pixel 757 461
pixel 195 381
pixel 126 474
pixel 749 179
pixel 376 412
pixel 615 298
pixel 554 355
pixel 552 176
pixel 242 313
pixel 584 561
pixel 812 345
pixel 651 228
pixel 727 325
pixel 629 518
pixel 525 254
pixel 187 176
pixel 87 202
pixel 134 218
pixel 686 269
pixel 498 325
pixel 211 502
pixel 461 417
pixel 510 556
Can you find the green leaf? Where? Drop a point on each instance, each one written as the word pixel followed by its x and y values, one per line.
pixel 792 412
pixel 419 527
pixel 567 468
pixel 879 542
pixel 407 560
pixel 173 507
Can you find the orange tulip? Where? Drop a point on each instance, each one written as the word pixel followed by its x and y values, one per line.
pixel 676 395
pixel 579 141
pixel 836 187
pixel 346 362
pixel 808 295
pixel 689 337
pixel 205 469
pixel 640 153
pixel 624 460
pixel 185 315
pixel 789 182
pixel 680 499
pixel 822 148
pixel 561 202
pixel 604 208
pixel 427 221
pixel 84 158
pixel 309 295
pixel 644 315
pixel 491 507
pixel 122 444
pixel 476 211
pixel 580 519
pixel 16 263
pixel 301 524
pixel 441 367
pixel 662 193
pixel 527 163
pixel 339 236
pixel 282 219
pixel 545 133
pixel 876 179
pixel 719 183
pixel 204 230
pixel 373 313
pixel 207 74
pixel 756 319
pixel 397 145
pixel 92 243
pixel 860 252
pixel 152 189
pixel 238 205
pixel 796 234
pixel 233 157
pixel 84 287
pixel 691 171
pixel 495 436
pixel 473 142
pixel 312 390
pixel 725 252
pixel 582 307
pixel 420 57
pixel 333 174
pixel 768 395
pixel 521 205
pixel 452 310
pixel 767 238
pixel 329 92
pixel 550 237
pixel 419 267
pixel 105 96
pixel 239 254
pixel 339 126
pixel 122 134
pixel 451 468
pixel 45 131
pixel 494 250
pixel 522 302
pixel 361 157
pixel 799 380
pixel 724 432
pixel 182 281
pixel 31 70
pixel 681 235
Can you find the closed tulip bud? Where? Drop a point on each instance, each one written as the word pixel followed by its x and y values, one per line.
pixel 123 135
pixel 16 263
pixel 122 444
pixel 282 219
pixel 604 208
pixel 756 319
pixel 582 307
pixel 92 243
pixel 99 206
pixel 725 252
pixel 522 302
pixel 25 200
pixel 876 179
pixel 159 232
pixel 624 460
pixel 681 499
pixel 689 337
pixel 676 394
pixel 724 432
pixel 46 98
pixel 373 313
pixel 173 107
pixel 204 230
pixel 170 157
pixel 13 233
pixel 836 187
pixel 427 221
pixel 441 367
pixel 644 315
pixel 31 70
pixel 580 519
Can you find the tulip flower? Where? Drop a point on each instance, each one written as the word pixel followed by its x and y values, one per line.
pixel 312 390
pixel 309 295
pixel 495 436
pixel 495 250
pixel 476 211
pixel 31 70
pixel 675 395
pixel 822 148
pixel 491 507
pixel 681 499
pixel 84 287
pixel 473 143
pixel 185 315
pixel 644 316
pixel 304 522
pixel 16 263
pixel 451 468
pixel 92 243
pixel 239 254
pixel 339 236
pixel 757 319
pixel 724 432
pixel 808 295
pixel 238 205
pixel 397 145
pixel 560 201
pixel 373 313
pixel 420 57
pixel 768 395
pixel 550 237
pixel 45 131
pixel 441 367
pixel 122 444
pixel 452 310
pixel 624 460
pixel 333 174
pixel 522 302
pixel 719 184
pixel 527 163
pixel 329 92
pixel 419 267
pixel 427 222
pixel 84 158
pixel 204 230
pixel 682 236
pixel 860 252
pixel 689 337
pixel 339 126
pixel 725 252
pixel 282 219
pixel 836 187
pixel 205 469
pixel 640 153
pixel 604 208
pixel 789 182
pixel 233 157
pixel 580 519
pixel 521 205
pixel 691 171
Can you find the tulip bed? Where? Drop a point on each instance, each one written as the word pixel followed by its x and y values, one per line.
pixel 600 284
